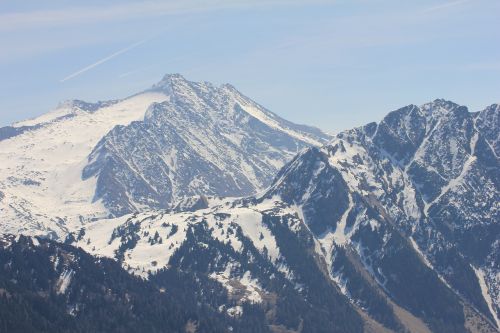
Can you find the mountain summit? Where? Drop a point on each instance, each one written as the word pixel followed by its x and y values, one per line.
pixel 399 217
pixel 179 138
pixel 388 227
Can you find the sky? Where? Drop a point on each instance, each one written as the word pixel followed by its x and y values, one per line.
pixel 331 64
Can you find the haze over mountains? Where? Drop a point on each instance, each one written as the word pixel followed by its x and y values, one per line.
pixel 389 227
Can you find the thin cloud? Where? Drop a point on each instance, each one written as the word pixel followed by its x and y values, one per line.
pixel 131 10
pixel 103 60
pixel 445 6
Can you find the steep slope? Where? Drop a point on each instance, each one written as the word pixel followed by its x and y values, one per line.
pixel 425 178
pixel 87 161
pixel 51 287
pixel 47 286
pixel 204 140
pixel 264 254
pixel 261 253
pixel 400 217
pixel 41 163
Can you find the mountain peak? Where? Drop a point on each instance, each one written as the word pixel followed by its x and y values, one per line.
pixel 439 105
pixel 229 87
pixel 168 81
pixel 173 77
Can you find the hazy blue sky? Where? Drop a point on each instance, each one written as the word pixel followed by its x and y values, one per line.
pixel 333 64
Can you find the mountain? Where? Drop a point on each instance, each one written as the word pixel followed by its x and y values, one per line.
pixel 425 180
pixel 389 227
pixel 178 139
pixel 58 288
pixel 400 218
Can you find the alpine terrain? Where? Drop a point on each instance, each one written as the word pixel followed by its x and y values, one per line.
pixel 400 218
pixel 190 208
pixel 154 150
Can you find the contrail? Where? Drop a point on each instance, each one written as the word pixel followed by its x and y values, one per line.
pixel 116 54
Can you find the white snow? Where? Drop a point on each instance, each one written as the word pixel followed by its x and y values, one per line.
pixel 251 285
pixel 355 174
pixel 145 257
pixel 267 119
pixel 224 276
pixel 453 183
pixel 422 255
pixel 35 241
pixel 339 236
pixel 342 284
pixel 144 254
pixel 141 258
pixel 374 225
pixel 99 234
pixel 484 290
pixel 41 170
pixel 251 224
pixel 235 311
pixel 64 281
pixel 427 262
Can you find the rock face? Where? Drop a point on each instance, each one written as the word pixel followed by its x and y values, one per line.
pixel 399 217
pixel 86 161
pixel 388 227
pixel 204 140
pixel 425 180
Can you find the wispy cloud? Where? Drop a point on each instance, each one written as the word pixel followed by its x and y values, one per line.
pixel 31 33
pixel 103 60
pixel 128 10
pixel 444 6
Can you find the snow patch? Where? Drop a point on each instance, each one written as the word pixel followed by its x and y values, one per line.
pixel 263 117
pixel 235 311
pixel 64 281
pixel 484 290
pixel 252 226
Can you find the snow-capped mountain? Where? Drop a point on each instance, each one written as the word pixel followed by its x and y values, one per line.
pixel 203 140
pixel 85 161
pixel 424 180
pixel 401 218
pixel 390 227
